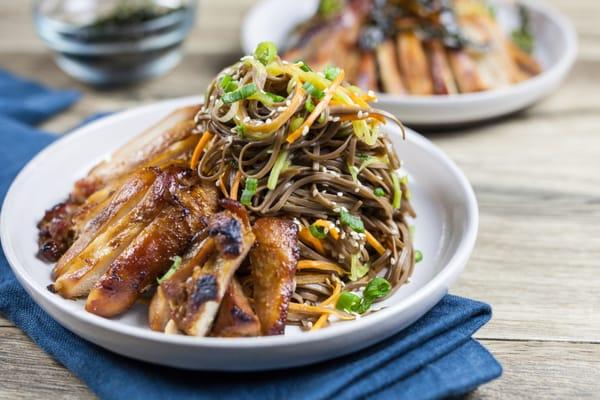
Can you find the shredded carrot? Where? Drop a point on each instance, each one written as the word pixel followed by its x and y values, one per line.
pixel 307 309
pixel 199 149
pixel 374 243
pixel 310 240
pixel 320 265
pixel 292 137
pixel 334 295
pixel 358 100
pixel 320 323
pixel 307 279
pixel 235 186
pixel 330 226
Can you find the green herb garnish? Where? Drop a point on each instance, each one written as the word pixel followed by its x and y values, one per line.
pixel 353 221
pixel 418 256
pixel 265 52
pixel 249 191
pixel 309 105
pixel 313 91
pixel 522 36
pixel 397 200
pixel 228 84
pixel 352 303
pixel 317 231
pixel 331 72
pixel 304 66
pixel 329 8
pixel 280 165
pixel 379 192
pixel 357 269
pixel 174 267
pixel 240 94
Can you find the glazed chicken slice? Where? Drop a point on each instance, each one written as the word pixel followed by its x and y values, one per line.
pixel 366 72
pixel 149 255
pixel 79 274
pixel 273 262
pixel 171 291
pixel 441 73
pixel 466 73
pixel 236 317
pixel 98 220
pixel 171 139
pixel 195 292
pixel 389 72
pixel 153 142
pixel 414 64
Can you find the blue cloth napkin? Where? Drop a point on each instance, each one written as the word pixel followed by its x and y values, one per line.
pixel 434 358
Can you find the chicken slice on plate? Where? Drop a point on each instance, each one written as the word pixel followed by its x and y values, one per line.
pixel 413 64
pixel 195 292
pixel 81 272
pixel 236 317
pixel 175 127
pixel 441 73
pixel 389 72
pixel 150 254
pixel 273 262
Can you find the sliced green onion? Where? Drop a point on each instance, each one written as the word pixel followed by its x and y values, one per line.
pixel 396 202
pixel 353 221
pixel 379 192
pixel 304 66
pixel 313 91
pixel 377 288
pixel 296 123
pixel 321 119
pixel 265 52
pixel 418 256
pixel 317 231
pixel 309 105
pixel 329 8
pixel 348 302
pixel 240 94
pixel 174 267
pixel 357 269
pixel 354 171
pixel 331 72
pixel 268 99
pixel 228 84
pixel 249 191
pixel 240 130
pixel 280 164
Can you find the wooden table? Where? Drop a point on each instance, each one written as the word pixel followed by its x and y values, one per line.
pixel 536 175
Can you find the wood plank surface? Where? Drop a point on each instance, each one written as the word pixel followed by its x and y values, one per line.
pixel 535 174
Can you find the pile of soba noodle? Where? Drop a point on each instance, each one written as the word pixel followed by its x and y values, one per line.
pixel 290 142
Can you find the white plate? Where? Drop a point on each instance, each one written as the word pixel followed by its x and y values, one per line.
pixel 446 231
pixel 556 49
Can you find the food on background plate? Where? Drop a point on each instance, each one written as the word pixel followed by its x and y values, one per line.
pixel 279 201
pixel 416 47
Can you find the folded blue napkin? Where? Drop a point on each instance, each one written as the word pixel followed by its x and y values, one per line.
pixel 434 358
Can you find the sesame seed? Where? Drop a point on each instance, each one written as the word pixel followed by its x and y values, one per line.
pixel 268 121
pixel 288 103
pixel 305 131
pixel 371 93
pixel 281 109
pixel 340 194
pixel 336 119
pixel 357 190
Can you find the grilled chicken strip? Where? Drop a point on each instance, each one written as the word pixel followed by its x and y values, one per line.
pixel 413 64
pixel 236 317
pixel 195 301
pixel 149 255
pixel 273 259
pixel 466 72
pixel 441 74
pixel 79 274
pixel 172 291
pixel 122 202
pixel 175 127
pixel 366 72
pixel 389 72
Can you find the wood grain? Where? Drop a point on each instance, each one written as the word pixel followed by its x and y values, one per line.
pixel 535 174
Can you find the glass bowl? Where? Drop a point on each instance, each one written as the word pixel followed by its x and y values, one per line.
pixel 115 42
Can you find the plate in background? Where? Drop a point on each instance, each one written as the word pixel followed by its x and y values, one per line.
pixel 446 229
pixel 556 50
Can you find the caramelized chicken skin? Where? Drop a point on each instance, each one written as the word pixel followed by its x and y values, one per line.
pixel 273 259
pixel 236 317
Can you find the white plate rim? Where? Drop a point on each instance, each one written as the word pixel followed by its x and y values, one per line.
pixel 552 74
pixel 449 272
